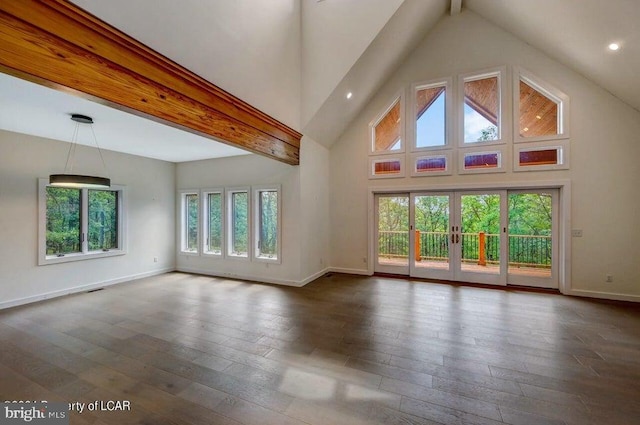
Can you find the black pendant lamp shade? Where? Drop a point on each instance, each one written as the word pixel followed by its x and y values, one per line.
pixel 77 180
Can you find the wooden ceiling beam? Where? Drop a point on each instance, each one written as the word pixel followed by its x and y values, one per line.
pixel 55 43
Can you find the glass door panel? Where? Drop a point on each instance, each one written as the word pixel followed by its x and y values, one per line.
pixel 392 233
pixel 431 217
pixel 480 240
pixel 532 223
pixel 491 237
pixel 480 233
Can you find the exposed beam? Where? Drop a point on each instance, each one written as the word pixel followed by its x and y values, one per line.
pixel 55 43
pixel 456 7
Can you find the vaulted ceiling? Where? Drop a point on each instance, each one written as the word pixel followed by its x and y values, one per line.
pixel 297 59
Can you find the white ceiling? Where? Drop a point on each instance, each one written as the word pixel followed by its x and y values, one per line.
pixel 577 33
pixel 40 111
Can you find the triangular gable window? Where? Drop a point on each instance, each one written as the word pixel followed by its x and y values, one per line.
pixel 431 117
pixel 481 109
pixel 387 131
pixel 542 110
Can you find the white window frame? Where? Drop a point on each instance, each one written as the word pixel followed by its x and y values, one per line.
pixel 229 227
pixel 204 196
pixel 484 150
pixel 548 90
pixel 399 97
pixel 447 155
pixel 503 129
pixel 256 223
pixel 183 222
pixel 447 83
pixel 85 254
pixel 563 156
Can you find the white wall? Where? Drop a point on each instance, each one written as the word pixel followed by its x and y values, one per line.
pixel 314 209
pixel 247 170
pixel 335 33
pixel 605 145
pixel 250 48
pixel 305 213
pixel 150 221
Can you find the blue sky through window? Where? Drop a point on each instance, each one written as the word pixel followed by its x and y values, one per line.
pixel 430 126
pixel 474 123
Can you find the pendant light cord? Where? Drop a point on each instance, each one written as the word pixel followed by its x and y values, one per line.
pixel 95 139
pixel 72 149
pixel 71 155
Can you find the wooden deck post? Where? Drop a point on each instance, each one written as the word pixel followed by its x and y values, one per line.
pixel 482 255
pixel 417 245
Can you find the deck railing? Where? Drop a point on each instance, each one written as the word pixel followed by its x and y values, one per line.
pixel 524 250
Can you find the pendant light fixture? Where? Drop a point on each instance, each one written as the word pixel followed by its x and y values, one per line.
pixel 67 179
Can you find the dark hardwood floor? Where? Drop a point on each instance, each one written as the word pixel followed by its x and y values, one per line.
pixel 186 349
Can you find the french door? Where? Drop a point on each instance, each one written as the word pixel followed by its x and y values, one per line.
pixel 494 237
pixel 471 248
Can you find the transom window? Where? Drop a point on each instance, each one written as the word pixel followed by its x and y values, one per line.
pixel 477 143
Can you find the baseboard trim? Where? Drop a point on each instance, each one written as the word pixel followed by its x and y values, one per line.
pixel 314 276
pixel 259 279
pixel 362 272
pixel 603 295
pixel 81 288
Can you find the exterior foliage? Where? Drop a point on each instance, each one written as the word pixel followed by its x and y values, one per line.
pixel 268 223
pixel 63 220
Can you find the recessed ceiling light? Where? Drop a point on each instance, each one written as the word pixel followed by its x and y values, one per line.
pixel 538 117
pixel 526 129
pixel 349 95
pixel 614 46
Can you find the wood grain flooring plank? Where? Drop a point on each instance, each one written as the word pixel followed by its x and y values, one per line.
pixel 442 398
pixel 188 349
pixel 442 414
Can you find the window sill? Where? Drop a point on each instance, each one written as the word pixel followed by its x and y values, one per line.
pixel 190 253
pixel 238 256
pixel 265 259
pixel 67 258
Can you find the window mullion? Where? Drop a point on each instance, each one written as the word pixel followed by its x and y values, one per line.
pixel 84 220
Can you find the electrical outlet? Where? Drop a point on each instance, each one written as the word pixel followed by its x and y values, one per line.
pixel 155 259
pixel 576 233
pixel 609 278
pixel 364 260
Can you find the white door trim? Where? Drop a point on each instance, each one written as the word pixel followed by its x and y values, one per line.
pixel 564 225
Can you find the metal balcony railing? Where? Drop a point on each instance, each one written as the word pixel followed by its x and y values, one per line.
pixel 524 250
